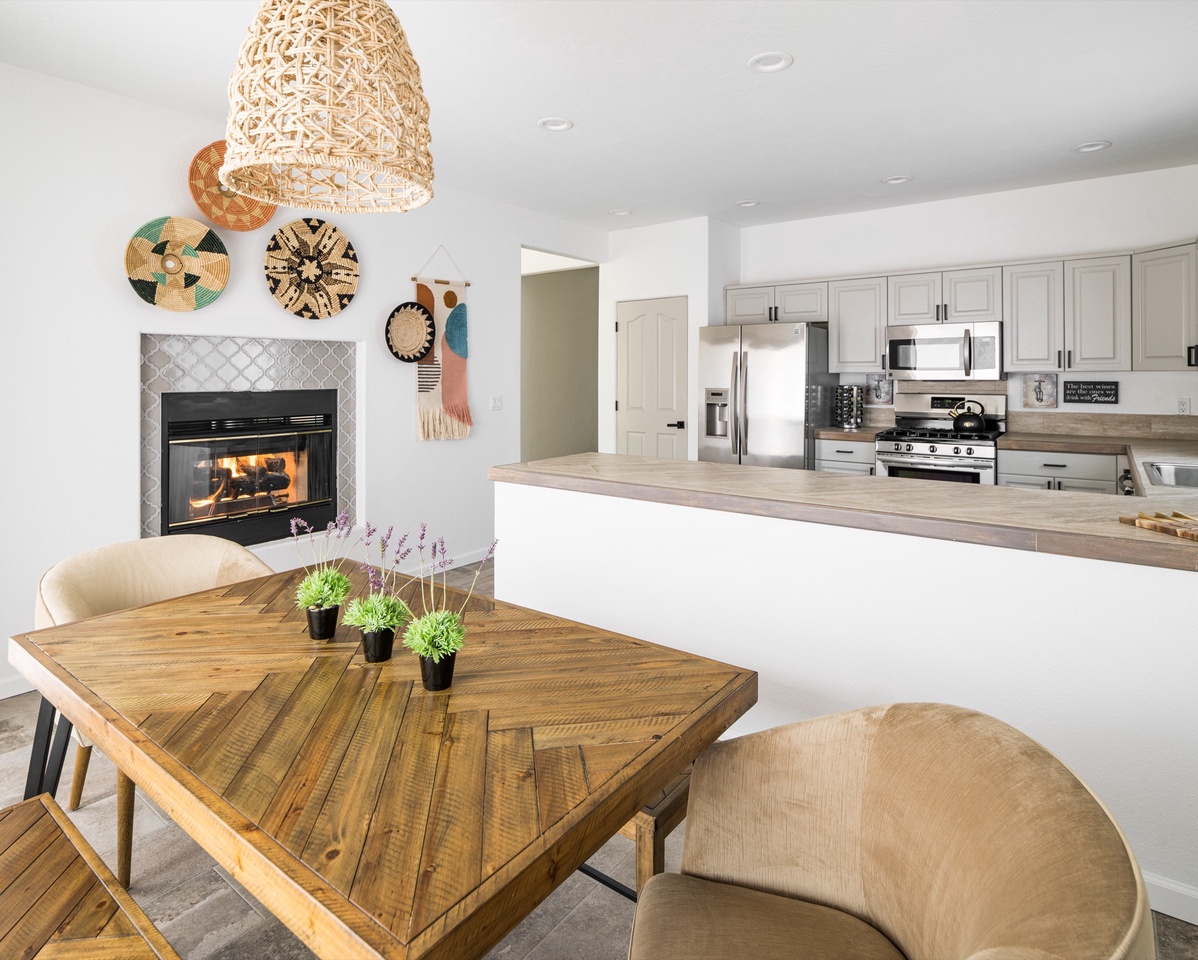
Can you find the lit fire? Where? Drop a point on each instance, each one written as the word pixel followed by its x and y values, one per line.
pixel 251 478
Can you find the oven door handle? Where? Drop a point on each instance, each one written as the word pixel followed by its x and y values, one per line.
pixel 958 466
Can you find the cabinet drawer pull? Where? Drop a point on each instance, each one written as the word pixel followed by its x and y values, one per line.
pixel 1056 466
pixel 1069 359
pixel 844 451
pixel 1058 358
pixel 1192 356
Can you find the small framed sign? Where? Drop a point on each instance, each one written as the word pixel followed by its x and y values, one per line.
pixel 1091 391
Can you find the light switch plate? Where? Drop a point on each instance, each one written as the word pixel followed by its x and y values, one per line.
pixel 497 401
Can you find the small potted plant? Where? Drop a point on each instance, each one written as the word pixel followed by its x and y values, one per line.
pixel 381 613
pixel 378 615
pixel 437 634
pixel 324 587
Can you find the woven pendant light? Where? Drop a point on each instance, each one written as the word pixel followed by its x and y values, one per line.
pixel 326 111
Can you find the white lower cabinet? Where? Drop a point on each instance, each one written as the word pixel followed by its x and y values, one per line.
pixel 1079 472
pixel 845 456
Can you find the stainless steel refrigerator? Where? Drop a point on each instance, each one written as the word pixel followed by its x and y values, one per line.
pixel 763 390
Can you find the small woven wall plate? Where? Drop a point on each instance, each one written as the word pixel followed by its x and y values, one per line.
pixel 177 263
pixel 410 332
pixel 311 268
pixel 216 201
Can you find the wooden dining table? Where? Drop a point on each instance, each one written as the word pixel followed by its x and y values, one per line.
pixel 372 817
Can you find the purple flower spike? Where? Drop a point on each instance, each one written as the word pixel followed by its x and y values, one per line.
pixel 295 526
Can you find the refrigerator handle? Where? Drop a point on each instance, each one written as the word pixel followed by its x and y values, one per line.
pixel 744 402
pixel 733 416
pixel 968 353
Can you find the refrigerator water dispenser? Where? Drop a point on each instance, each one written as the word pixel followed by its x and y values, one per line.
pixel 717 412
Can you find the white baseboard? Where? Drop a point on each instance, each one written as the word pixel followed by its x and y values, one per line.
pixel 1170 897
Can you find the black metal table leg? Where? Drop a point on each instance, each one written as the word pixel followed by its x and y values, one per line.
pixel 45 761
pixel 58 752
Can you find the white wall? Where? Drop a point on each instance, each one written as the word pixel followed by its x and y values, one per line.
pixel 1058 646
pixel 1084 217
pixel 688 258
pixel 84 169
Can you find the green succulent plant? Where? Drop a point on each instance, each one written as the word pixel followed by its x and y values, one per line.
pixel 323 587
pixel 435 635
pixel 376 611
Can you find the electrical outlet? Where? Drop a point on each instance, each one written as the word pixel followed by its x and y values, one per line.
pixel 1183 406
pixel 497 402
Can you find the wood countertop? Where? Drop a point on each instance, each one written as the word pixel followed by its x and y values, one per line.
pixel 1057 522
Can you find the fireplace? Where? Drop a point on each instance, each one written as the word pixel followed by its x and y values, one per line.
pixel 242 465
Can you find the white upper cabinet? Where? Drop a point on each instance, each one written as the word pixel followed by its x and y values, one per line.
pixel 787 303
pixel 748 304
pixel 1071 316
pixel 952 296
pixel 1098 314
pixel 1164 310
pixel 801 302
pixel 1033 306
pixel 856 325
pixel 915 298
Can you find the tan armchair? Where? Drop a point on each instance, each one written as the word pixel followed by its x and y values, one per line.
pixel 125 575
pixel 916 830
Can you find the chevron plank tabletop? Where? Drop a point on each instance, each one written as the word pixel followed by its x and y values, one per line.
pixel 58 899
pixel 372 817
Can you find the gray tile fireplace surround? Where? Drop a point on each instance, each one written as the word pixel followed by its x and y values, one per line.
pixel 174 363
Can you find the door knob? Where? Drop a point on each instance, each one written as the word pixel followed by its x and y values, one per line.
pixel 681 424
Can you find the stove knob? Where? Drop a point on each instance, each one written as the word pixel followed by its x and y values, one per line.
pixel 957 450
pixel 969 451
pixel 909 448
pixel 932 448
pixel 898 446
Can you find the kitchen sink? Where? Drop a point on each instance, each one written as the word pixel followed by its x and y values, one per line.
pixel 1173 474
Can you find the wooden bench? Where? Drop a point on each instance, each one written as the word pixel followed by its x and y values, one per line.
pixel 57 897
pixel 656 821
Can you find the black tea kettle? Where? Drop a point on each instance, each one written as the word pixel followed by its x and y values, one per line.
pixel 965 421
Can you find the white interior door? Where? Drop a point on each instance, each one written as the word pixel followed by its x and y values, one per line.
pixel 651 378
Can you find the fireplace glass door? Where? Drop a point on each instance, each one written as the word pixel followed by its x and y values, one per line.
pixel 226 477
pixel 243 465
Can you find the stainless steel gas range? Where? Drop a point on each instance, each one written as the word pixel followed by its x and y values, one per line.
pixel 924 444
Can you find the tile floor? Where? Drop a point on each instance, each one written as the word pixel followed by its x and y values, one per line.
pixel 207 915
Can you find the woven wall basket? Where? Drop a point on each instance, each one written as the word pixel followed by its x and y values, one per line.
pixel 326 111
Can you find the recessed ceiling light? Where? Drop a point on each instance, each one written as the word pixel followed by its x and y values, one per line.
pixel 770 62
pixel 748 203
pixel 619 213
pixel 893 180
pixel 555 124
pixel 1092 146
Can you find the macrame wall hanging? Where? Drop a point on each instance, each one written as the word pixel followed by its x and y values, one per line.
pixel 442 407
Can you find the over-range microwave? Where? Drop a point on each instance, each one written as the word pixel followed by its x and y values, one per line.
pixel 945 351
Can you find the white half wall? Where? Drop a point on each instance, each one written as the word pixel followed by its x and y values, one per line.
pixel 1095 660
pixel 86 169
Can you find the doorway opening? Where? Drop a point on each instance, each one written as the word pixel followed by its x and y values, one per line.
pixel 559 355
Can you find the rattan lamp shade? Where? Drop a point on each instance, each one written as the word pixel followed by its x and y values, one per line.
pixel 326 111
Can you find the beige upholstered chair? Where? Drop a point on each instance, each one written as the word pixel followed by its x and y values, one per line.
pixel 916 830
pixel 132 574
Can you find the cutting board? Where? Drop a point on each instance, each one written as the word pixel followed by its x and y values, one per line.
pixel 1174 524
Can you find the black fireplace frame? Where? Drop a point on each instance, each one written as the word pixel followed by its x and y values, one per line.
pixel 265 412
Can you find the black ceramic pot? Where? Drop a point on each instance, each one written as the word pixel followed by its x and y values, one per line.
pixel 437 674
pixel 322 622
pixel 377 644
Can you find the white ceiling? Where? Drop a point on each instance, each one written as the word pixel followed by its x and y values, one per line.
pixel 965 96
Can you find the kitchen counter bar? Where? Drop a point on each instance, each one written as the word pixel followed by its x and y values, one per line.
pixel 1053 522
